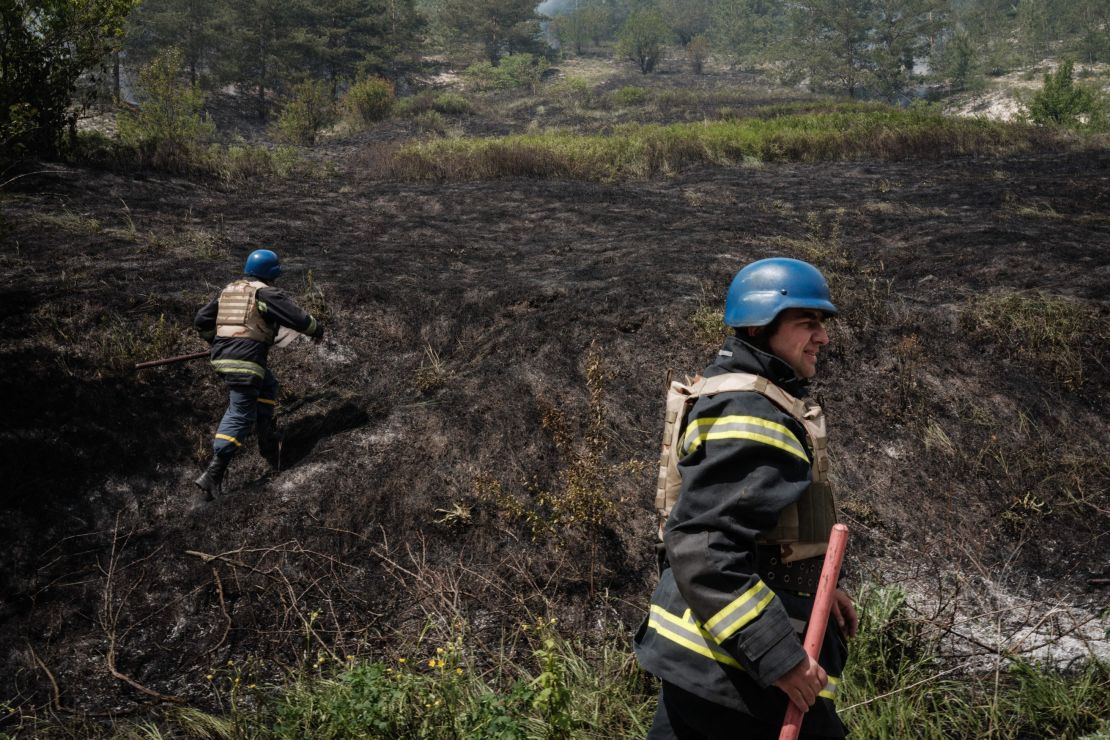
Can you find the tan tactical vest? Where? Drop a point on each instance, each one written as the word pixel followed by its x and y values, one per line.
pixel 239 315
pixel 804 526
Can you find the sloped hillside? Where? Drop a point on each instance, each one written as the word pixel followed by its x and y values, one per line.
pixel 477 435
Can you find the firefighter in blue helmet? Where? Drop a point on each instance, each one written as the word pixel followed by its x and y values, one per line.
pixel 744 540
pixel 242 323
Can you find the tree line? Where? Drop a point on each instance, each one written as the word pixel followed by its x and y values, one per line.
pixel 55 53
pixel 848 46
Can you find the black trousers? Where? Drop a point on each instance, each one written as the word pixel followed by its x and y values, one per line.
pixel 685 716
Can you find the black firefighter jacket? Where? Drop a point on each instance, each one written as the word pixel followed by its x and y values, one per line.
pixel 715 628
pixel 242 361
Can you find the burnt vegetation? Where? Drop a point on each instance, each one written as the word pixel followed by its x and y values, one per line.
pixel 510 262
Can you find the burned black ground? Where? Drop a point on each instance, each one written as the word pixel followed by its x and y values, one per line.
pixel 461 320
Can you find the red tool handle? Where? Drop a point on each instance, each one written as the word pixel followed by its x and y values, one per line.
pixel 818 618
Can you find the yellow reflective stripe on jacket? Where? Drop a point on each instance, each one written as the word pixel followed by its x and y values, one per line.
pixel 239 366
pixel 229 439
pixel 831 688
pixel 741 427
pixel 268 401
pixel 311 326
pixel 689 634
pixel 742 610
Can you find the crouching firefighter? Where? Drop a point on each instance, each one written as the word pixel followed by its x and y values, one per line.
pixel 746 509
pixel 242 323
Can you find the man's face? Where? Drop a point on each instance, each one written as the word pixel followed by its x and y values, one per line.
pixel 799 337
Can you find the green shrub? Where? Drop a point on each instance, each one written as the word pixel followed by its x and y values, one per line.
pixel 431 120
pixel 513 72
pixel 452 104
pixel 643 39
pixel 414 105
pixel 168 130
pixel 309 109
pixel 638 151
pixel 369 100
pixel 629 96
pixel 1061 103
pixel 697 52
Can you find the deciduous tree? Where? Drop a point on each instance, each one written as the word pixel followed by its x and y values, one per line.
pixel 45 47
pixel 643 39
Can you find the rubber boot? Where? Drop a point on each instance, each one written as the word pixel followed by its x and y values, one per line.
pixel 213 476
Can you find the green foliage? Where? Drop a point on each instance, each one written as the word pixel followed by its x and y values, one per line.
pixel 638 151
pixel 643 39
pixel 590 22
pixel 896 685
pixel 309 110
pixel 193 27
pixel 547 690
pixel 368 100
pixel 500 26
pixel 751 31
pixel 958 61
pixel 452 104
pixel 697 52
pixel 1062 103
pixel 515 72
pixel 628 96
pixel 169 129
pixel 687 19
pixel 45 47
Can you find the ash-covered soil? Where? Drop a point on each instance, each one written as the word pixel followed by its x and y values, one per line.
pixel 450 402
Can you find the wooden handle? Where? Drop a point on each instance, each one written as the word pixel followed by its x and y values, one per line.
pixel 818 618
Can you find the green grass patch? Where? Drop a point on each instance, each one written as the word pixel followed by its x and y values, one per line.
pixel 645 151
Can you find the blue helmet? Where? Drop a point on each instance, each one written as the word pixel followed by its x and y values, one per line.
pixel 262 263
pixel 763 289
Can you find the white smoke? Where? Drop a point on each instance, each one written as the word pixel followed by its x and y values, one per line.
pixel 555 7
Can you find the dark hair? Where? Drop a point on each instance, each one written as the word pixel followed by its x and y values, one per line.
pixel 762 337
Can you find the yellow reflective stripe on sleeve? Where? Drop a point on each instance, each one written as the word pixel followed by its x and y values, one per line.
pixel 311 326
pixel 831 688
pixel 689 634
pixel 236 442
pixel 268 401
pixel 239 366
pixel 741 427
pixel 742 610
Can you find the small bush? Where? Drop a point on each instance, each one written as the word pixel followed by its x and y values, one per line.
pixel 414 105
pixel 1061 103
pixel 514 72
pixel 643 39
pixel 452 104
pixel 369 100
pixel 629 96
pixel 168 130
pixel 309 110
pixel 697 52
pixel 431 121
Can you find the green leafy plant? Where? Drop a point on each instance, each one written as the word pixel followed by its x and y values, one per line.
pixel 309 109
pixel 1060 102
pixel 369 100
pixel 169 129
pixel 513 72
pixel 629 95
pixel 643 39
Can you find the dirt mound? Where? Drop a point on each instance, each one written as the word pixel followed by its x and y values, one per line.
pixel 494 349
